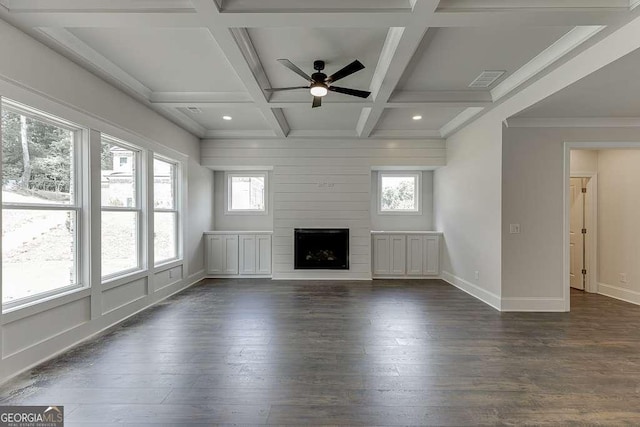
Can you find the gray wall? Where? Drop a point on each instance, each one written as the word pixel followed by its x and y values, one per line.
pixel 321 183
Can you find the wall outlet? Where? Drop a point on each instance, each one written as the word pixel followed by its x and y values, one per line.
pixel 477 275
pixel 514 228
pixel 622 277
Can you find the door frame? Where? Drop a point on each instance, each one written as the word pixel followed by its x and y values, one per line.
pixel 568 146
pixel 591 224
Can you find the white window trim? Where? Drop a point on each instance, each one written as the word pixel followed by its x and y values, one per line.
pixel 177 209
pixel 227 193
pixel 140 192
pixel 78 205
pixel 418 189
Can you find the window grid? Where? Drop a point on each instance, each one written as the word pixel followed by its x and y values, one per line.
pixel 74 206
pixel 415 197
pixel 173 210
pixel 136 209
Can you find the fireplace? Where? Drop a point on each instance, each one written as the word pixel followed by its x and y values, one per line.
pixel 321 249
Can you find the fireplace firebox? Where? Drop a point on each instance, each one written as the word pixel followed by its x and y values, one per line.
pixel 321 249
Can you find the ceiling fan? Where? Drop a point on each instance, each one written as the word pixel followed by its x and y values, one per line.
pixel 320 84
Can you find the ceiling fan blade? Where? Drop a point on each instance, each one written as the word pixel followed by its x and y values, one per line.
pixel 290 65
pixel 352 92
pixel 346 71
pixel 317 102
pixel 279 89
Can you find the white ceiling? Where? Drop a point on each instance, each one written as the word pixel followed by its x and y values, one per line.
pixel 613 91
pixel 221 55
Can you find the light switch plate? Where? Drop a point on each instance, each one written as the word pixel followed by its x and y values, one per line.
pixel 514 228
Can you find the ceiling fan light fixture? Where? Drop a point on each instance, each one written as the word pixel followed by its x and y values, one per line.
pixel 319 89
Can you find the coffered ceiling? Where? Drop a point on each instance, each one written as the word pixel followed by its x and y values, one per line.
pixel 195 61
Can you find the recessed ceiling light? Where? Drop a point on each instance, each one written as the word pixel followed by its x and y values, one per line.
pixel 227 118
pixel 417 117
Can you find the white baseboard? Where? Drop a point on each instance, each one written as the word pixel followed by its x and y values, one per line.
pixel 237 276
pixel 475 291
pixel 406 277
pixel 622 294
pixel 533 304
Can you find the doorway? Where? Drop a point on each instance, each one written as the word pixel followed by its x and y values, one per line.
pixel 582 233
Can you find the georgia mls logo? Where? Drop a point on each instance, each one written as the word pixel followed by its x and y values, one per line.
pixel 31 416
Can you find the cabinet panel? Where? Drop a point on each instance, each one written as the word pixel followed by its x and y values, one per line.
pixel 214 253
pixel 263 254
pixel 432 255
pixel 415 255
pixel 247 254
pixel 381 255
pixel 398 246
pixel 230 251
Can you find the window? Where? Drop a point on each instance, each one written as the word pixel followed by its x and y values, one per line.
pixel 41 205
pixel 165 218
pixel 121 212
pixel 246 193
pixel 399 192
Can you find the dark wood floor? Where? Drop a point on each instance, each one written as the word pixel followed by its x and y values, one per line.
pixel 381 353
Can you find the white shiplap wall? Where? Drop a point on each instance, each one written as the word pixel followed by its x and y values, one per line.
pixel 321 184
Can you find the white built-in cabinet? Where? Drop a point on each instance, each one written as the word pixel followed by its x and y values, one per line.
pixel 405 254
pixel 238 254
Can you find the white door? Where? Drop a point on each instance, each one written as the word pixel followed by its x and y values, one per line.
pixel 415 256
pixel 230 249
pixel 431 255
pixel 215 254
pixel 263 254
pixel 398 246
pixel 247 254
pixel 576 238
pixel 381 255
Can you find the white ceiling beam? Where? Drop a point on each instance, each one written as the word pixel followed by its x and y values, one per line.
pixel 97 5
pixel 557 50
pixel 528 17
pixel 460 120
pixel 187 18
pixel 239 51
pixel 399 48
pixel 405 133
pixel 181 119
pixel 407 99
pixel 530 4
pixel 574 122
pixel 197 99
pixel 105 19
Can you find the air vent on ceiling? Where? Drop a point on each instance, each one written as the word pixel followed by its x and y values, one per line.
pixel 194 110
pixel 486 78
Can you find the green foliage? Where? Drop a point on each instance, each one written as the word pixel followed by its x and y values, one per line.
pixel 50 151
pixel 400 197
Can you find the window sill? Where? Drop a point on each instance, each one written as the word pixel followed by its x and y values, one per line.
pixel 168 264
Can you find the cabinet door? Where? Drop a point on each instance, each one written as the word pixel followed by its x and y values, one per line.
pixel 230 249
pixel 263 254
pixel 381 255
pixel 215 254
pixel 398 262
pixel 431 255
pixel 247 254
pixel 415 250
